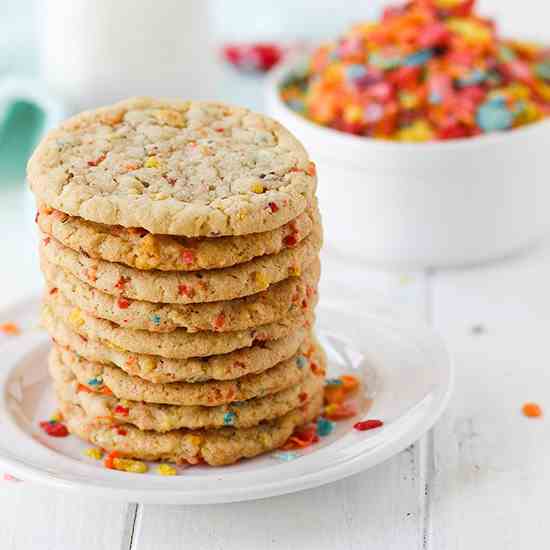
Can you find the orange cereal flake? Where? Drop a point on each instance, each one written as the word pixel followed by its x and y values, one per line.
pixel 11 329
pixel 531 410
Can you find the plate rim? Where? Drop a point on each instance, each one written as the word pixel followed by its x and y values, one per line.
pixel 307 480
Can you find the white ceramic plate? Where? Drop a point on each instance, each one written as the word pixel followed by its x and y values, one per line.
pixel 405 367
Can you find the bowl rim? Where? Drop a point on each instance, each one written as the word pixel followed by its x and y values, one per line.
pixel 280 73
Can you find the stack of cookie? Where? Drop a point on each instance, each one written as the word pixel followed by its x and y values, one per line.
pixel 180 247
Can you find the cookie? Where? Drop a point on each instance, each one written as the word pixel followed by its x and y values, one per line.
pixel 98 377
pixel 257 358
pixel 217 447
pixel 162 418
pixel 177 168
pixel 136 247
pixel 185 287
pixel 276 302
pixel 178 344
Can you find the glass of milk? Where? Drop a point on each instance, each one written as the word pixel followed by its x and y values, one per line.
pixel 95 52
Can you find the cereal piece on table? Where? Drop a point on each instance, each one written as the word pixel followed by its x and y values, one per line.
pixel 94 452
pixel 532 410
pixel 303 437
pixel 166 470
pixel 286 456
pixel 324 427
pixel 10 329
pixel 366 425
pixel 339 411
pixel 54 428
pixel 114 462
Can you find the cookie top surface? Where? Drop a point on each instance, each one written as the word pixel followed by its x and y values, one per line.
pixel 179 168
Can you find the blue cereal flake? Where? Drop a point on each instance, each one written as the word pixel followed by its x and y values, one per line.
pixel 519 107
pixel 497 100
pixel 506 54
pixel 492 117
pixel 472 78
pixel 542 69
pixel 384 63
pixel 155 319
pixel 333 382
pixel 229 418
pixel 418 58
pixel 324 427
pixel 286 456
pixel 356 72
pixel 97 381
pixel 297 105
pixel 435 98
pixel 301 362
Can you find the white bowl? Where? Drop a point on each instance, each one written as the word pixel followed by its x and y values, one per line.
pixel 434 204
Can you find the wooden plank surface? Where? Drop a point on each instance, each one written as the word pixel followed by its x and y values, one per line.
pixel 380 508
pixel 492 473
pixel 34 517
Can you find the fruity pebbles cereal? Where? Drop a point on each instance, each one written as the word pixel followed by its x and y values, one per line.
pixel 427 70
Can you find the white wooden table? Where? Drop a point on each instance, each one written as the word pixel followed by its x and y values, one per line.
pixel 479 480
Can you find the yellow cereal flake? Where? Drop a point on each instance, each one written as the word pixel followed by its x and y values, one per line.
pixel 94 452
pixel 265 439
pixel 261 278
pixel 57 416
pixel 448 4
pixel 258 188
pixel 409 100
pixel 129 465
pixel 353 113
pixel 170 117
pixel 75 318
pixel 148 245
pixel 473 32
pixel 529 113
pixel 418 131
pixel 333 73
pixel 516 91
pixel 166 424
pixel 146 262
pixel 152 162
pixel 543 90
pixel 166 470
pixel 194 440
pixel 148 256
pixel 113 346
pixel 148 364
pixel 294 271
pixel 242 214
pixel 159 196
